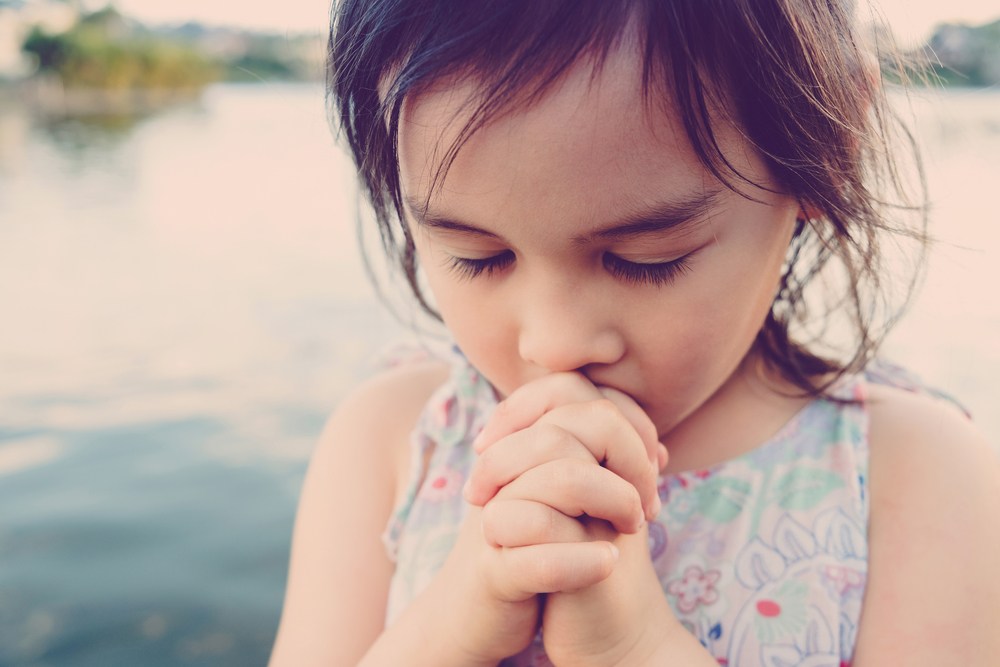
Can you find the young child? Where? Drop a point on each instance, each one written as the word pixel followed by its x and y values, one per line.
pixel 635 458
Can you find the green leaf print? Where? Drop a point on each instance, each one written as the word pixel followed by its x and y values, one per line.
pixel 804 488
pixel 721 499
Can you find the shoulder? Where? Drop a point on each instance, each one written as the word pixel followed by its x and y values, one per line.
pixel 928 462
pixel 387 405
pixel 376 419
pixel 904 418
pixel 932 596
pixel 915 436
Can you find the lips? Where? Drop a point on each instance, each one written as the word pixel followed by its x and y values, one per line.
pixel 620 390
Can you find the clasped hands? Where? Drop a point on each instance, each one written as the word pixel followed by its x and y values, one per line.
pixel 566 480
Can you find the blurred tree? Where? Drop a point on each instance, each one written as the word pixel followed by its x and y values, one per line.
pixel 966 55
pixel 102 51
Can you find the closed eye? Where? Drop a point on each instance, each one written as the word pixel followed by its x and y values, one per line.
pixel 467 269
pixel 660 273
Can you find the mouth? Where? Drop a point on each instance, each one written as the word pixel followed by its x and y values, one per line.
pixel 602 387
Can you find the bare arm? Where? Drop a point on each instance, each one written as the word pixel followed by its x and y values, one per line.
pixel 339 574
pixel 479 608
pixel 933 595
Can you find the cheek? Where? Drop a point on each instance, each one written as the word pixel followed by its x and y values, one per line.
pixel 742 290
pixel 480 325
pixel 688 345
pixel 489 344
pixel 701 333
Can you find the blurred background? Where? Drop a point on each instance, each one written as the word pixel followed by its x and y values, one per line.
pixel 182 304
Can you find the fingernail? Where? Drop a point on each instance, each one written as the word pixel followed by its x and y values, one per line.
pixel 614 551
pixel 467 488
pixel 657 506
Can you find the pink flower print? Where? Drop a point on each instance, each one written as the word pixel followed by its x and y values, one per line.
pixel 663 489
pixel 694 588
pixel 441 484
pixel 657 539
pixel 782 612
pixel 446 412
pixel 842 579
pixel 788 431
pixel 839 461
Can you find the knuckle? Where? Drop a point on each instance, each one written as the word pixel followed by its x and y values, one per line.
pixel 489 523
pixel 486 465
pixel 556 438
pixel 488 517
pixel 503 409
pixel 570 473
pixel 611 419
pixel 605 409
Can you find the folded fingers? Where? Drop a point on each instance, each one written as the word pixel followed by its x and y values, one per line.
pixel 517 522
pixel 591 432
pixel 518 573
pixel 526 405
pixel 576 488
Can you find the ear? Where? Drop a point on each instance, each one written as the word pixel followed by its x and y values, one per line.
pixel 809 211
pixel 867 74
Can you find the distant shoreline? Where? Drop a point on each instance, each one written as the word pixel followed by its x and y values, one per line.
pixel 47 96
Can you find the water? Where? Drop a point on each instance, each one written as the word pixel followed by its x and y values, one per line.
pixel 182 306
pixel 951 336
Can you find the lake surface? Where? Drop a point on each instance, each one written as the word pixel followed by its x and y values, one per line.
pixel 182 306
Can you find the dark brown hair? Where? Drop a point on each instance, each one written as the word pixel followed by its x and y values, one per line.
pixel 792 75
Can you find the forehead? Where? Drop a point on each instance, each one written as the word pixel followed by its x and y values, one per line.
pixel 591 148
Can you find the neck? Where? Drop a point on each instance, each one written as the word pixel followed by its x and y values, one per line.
pixel 748 409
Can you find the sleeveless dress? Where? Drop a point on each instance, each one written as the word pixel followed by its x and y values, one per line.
pixel 763 558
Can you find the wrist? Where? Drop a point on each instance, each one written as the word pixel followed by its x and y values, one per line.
pixel 672 646
pixel 470 625
pixel 427 634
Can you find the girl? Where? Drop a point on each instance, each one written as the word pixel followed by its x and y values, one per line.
pixel 635 459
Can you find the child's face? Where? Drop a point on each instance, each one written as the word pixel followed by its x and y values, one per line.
pixel 583 233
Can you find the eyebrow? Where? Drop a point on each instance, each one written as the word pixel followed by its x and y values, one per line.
pixel 428 218
pixel 659 218
pixel 663 217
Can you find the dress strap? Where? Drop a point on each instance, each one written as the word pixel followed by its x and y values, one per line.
pixel 454 415
pixel 888 374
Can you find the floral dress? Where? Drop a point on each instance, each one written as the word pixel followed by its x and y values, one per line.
pixel 763 558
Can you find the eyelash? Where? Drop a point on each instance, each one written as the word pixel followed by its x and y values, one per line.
pixel 631 273
pixel 467 269
pixel 661 273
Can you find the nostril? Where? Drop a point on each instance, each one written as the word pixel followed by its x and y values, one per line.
pixel 571 349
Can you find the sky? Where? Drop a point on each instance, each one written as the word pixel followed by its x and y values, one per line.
pixel 911 20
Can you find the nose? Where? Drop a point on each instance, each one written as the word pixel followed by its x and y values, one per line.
pixel 563 330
